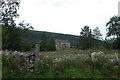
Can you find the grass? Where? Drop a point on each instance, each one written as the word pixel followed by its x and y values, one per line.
pixel 56 65
pixel 0 66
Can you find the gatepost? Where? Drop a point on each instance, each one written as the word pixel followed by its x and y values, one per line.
pixel 36 63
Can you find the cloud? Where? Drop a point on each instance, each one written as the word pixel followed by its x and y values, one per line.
pixel 57 3
pixel 67 16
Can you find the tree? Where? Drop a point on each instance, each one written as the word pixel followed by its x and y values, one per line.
pixel 5 37
pixel 25 26
pixel 47 44
pixel 0 37
pixel 89 39
pixel 15 40
pixel 85 40
pixel 11 33
pixel 113 28
pixel 51 45
pixel 96 33
pixel 9 11
pixel 11 38
pixel 44 42
pixel 86 31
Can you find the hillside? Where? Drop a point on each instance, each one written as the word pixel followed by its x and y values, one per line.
pixel 32 36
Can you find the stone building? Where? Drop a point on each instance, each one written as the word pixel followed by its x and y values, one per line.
pixel 62 44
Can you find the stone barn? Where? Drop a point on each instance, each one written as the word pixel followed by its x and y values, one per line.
pixel 62 44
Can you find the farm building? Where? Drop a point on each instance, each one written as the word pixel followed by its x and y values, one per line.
pixel 62 44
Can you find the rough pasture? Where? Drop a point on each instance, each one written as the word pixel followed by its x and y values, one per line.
pixel 70 64
pixel 80 54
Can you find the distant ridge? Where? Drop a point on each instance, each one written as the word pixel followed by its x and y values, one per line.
pixel 55 32
pixel 32 36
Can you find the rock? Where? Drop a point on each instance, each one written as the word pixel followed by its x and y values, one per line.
pixel 95 55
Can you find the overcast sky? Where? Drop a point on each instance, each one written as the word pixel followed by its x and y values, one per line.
pixel 68 16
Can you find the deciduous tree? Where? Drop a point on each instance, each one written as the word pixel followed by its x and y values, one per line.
pixel 86 40
pixel 96 33
pixel 85 31
pixel 113 29
pixel 9 11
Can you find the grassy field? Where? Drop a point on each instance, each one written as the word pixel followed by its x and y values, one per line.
pixel 0 65
pixel 65 64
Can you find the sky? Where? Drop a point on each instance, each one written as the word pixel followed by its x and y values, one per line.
pixel 67 16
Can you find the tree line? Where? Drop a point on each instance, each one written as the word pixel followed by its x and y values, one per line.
pixel 11 32
pixel 89 39
pixel 93 38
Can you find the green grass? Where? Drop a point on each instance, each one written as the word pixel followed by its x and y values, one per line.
pixel 0 66
pixel 54 65
pixel 71 51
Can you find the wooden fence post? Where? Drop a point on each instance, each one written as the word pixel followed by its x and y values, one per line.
pixel 36 63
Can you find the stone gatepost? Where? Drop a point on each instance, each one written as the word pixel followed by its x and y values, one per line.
pixel 119 9
pixel 36 62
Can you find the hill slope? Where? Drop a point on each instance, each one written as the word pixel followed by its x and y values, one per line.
pixel 32 36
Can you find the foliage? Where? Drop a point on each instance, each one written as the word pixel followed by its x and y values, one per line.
pixel 51 45
pixel 44 42
pixel 50 67
pixel 107 44
pixel 88 39
pixel 86 31
pixel 11 33
pixel 96 33
pixel 0 37
pixel 25 26
pixel 113 27
pixel 9 11
pixel 32 36
pixel 11 37
pixel 85 42
pixel 13 66
pixel 47 44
